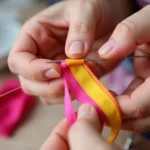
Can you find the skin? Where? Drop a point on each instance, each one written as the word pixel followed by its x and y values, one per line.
pixel 43 37
pixel 49 34
pixel 85 134
pixel 135 37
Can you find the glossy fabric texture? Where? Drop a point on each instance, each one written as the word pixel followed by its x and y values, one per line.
pixel 86 88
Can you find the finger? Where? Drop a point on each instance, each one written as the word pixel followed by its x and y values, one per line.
pixel 129 34
pixel 40 70
pixel 51 89
pixel 36 37
pixel 135 103
pixel 100 68
pixel 86 132
pixel 138 125
pixel 23 61
pixel 58 138
pixel 82 28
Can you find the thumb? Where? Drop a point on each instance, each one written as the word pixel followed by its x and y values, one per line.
pixel 86 132
pixel 129 34
pixel 82 27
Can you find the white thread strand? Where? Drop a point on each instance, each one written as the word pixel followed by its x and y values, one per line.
pixel 86 59
pixel 2 95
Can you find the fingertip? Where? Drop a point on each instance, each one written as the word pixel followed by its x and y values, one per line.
pixel 87 110
pixel 77 49
pixel 121 43
pixel 52 74
pixel 53 70
pixel 116 50
pixel 89 113
pixel 42 69
pixel 106 48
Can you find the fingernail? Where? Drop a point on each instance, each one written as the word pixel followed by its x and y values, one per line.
pixel 52 73
pixel 84 110
pixel 76 48
pixel 107 48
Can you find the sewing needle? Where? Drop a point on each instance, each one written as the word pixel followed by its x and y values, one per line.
pixel 101 59
pixel 86 59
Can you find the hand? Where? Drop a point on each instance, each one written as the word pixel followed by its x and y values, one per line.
pixel 133 34
pixel 85 134
pixel 76 25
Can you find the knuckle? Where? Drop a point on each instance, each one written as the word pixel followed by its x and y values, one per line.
pixel 126 28
pixel 88 4
pixel 29 22
pixel 86 25
pixel 40 30
pixel 82 27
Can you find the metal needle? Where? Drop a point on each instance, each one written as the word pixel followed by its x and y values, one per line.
pixel 86 59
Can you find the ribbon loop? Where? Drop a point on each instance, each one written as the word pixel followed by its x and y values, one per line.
pixel 86 88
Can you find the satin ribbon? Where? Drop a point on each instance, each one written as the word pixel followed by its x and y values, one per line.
pixel 86 88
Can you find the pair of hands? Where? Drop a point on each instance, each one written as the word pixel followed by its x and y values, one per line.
pixel 80 26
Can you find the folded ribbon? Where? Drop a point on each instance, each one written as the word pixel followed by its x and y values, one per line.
pixel 86 88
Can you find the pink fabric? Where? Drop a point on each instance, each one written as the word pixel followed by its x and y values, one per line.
pixel 79 94
pixel 69 111
pixel 119 79
pixel 143 3
pixel 13 107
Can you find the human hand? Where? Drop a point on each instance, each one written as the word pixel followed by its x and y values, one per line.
pixel 133 34
pixel 85 134
pixel 77 26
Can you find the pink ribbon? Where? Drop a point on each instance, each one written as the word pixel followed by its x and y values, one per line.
pixel 70 83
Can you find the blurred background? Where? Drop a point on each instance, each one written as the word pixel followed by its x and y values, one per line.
pixel 37 125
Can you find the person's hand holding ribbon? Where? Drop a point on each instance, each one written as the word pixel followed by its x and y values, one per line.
pixel 133 34
pixel 85 134
pixel 69 28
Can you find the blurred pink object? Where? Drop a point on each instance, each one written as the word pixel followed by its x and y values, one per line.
pixel 14 107
pixel 143 3
pixel 119 79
